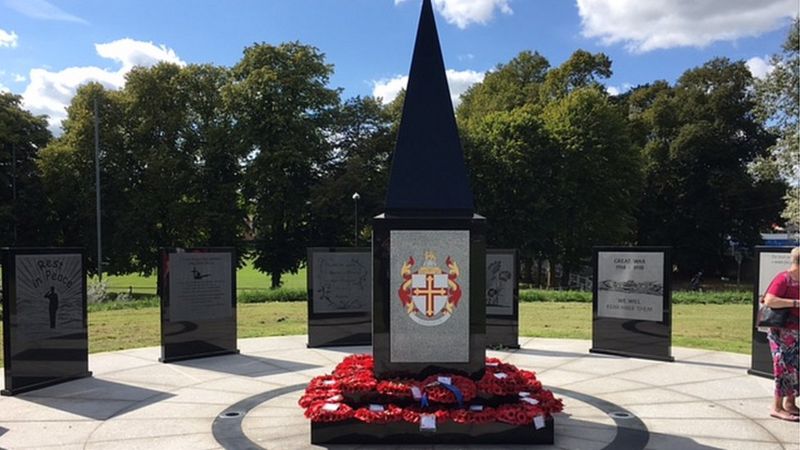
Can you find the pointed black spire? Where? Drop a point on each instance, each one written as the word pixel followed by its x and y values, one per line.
pixel 428 175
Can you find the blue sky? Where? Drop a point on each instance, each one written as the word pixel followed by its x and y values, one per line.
pixel 49 48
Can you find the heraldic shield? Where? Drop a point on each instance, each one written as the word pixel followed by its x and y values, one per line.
pixel 429 294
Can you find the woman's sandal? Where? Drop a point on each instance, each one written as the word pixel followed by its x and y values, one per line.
pixel 785 415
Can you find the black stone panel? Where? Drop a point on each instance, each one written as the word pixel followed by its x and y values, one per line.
pixel 502 330
pixel 403 433
pixel 45 333
pixel 348 327
pixel 184 336
pixel 383 293
pixel 631 337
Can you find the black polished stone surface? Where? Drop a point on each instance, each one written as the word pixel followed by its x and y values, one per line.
pixel 630 337
pixel 502 330
pixel 183 338
pixel 428 175
pixel 496 433
pixel 337 328
pixel 383 294
pixel 760 356
pixel 45 334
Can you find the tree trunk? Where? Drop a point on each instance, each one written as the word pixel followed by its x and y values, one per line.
pixel 276 280
pixel 539 272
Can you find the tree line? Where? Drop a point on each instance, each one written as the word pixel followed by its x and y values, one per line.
pixel 265 156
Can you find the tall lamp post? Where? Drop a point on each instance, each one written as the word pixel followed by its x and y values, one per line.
pixel 355 223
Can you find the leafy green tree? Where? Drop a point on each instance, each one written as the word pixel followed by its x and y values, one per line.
pixel 702 135
pixel 600 180
pixel 282 107
pixel 778 98
pixel 218 173
pixel 362 141
pixel 511 85
pixel 22 205
pixel 68 173
pixel 515 168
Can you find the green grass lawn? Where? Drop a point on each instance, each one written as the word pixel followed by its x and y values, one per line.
pixel 111 330
pixel 247 279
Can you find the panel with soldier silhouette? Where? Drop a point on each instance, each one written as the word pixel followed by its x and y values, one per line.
pixel 44 322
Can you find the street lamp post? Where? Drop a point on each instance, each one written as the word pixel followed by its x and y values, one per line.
pixel 355 223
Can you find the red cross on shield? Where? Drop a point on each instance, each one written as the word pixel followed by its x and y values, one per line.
pixel 429 292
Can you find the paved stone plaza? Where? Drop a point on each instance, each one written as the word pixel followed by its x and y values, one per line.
pixel 703 400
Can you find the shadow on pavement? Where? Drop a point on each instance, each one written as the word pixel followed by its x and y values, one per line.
pixel 245 365
pixel 95 398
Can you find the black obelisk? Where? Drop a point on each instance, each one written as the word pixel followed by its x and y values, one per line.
pixel 429 249
pixel 428 157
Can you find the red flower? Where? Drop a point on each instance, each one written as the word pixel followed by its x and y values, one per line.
pixel 438 393
pixel 318 412
pixel 390 414
pixel 411 414
pixel 396 388
pixel 467 416
pixel 518 413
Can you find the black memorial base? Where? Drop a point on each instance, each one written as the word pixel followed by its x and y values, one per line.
pixel 502 333
pixel 339 331
pixel 498 433
pixel 632 338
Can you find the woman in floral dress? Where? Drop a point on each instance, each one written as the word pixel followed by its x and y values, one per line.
pixel 784 292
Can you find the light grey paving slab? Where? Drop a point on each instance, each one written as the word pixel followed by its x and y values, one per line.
pixel 744 386
pixel 46 433
pixel 558 377
pixel 199 441
pixel 675 442
pixel 647 396
pixel 609 366
pixel 720 428
pixel 605 385
pixel 239 385
pixel 787 432
pixel 109 362
pixel 752 408
pixel 666 374
pixel 698 410
pixel 123 429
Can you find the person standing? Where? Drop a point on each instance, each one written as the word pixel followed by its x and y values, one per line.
pixel 784 292
pixel 53 297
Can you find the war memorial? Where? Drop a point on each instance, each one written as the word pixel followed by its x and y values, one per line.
pixel 413 341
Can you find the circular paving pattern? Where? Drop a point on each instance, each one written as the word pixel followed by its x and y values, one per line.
pixel 273 420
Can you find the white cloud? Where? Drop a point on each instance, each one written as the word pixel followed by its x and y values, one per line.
pixel 759 67
pixel 8 38
pixel 616 90
pixel 42 9
pixel 50 92
pixel 464 12
pixel 459 81
pixel 3 88
pixel 19 78
pixel 659 24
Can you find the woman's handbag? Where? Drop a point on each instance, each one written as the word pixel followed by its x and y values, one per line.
pixel 772 318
